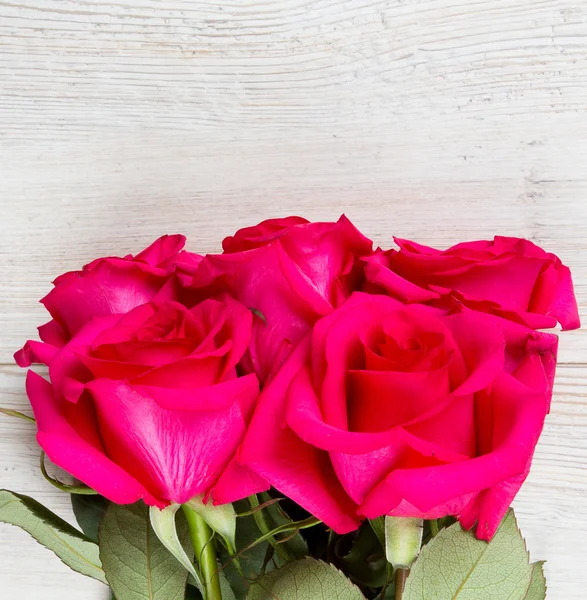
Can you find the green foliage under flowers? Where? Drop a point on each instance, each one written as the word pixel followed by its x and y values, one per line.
pixel 455 564
pixel 89 511
pixel 305 579
pixel 136 564
pixel 76 550
pixel 320 564
pixel 249 564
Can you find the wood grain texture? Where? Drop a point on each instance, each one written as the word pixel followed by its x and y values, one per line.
pixel 441 120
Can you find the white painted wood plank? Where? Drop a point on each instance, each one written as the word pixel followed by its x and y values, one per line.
pixel 441 120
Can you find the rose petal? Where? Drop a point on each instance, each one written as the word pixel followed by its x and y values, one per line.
pixel 236 482
pixel 518 419
pixel 162 250
pixel 176 454
pixel 296 469
pixel 35 352
pixel 69 451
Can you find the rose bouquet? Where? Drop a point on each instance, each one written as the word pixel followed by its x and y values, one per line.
pixel 300 416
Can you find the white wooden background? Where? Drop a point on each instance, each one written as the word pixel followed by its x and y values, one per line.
pixel 440 120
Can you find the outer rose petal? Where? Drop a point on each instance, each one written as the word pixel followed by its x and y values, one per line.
pixel 162 251
pixel 260 235
pixel 488 508
pixel 237 482
pixel 518 420
pixel 554 295
pixel 52 333
pixel 242 390
pixel 295 468
pixel 511 277
pixel 176 455
pixel 105 290
pixel 68 450
pixel 35 352
pixel 287 317
pixel 379 273
pixel 112 285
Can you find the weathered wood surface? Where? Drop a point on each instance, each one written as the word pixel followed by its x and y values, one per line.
pixel 441 120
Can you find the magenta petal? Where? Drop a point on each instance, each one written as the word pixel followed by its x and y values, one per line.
pixel 188 373
pixel 394 284
pixel 265 232
pixel 305 419
pixel 52 333
pixel 243 390
pixel 176 454
pixel 35 352
pixel 236 482
pixel 489 507
pixel 484 354
pixel 408 395
pixel 287 317
pixel 162 249
pixel 295 468
pixel 519 417
pixel 111 287
pixel 554 295
pixel 68 450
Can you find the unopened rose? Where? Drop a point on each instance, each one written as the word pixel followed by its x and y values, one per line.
pixel 112 285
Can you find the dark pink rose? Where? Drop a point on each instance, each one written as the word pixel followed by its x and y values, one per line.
pixel 113 285
pixel 388 409
pixel 145 400
pixel 291 273
pixel 509 277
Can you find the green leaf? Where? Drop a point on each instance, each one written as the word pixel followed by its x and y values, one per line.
pixel 222 519
pixel 192 592
pixel 70 545
pixel 89 511
pixel 456 565
pixel 306 579
pixel 14 413
pixel 137 565
pixel 165 527
pixel 537 588
pixel 403 538
pixel 378 526
pixel 225 588
pixel 360 555
pixel 65 487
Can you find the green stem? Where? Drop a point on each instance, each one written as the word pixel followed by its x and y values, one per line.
pixel 201 536
pixel 400 582
pixel 265 529
pixel 434 527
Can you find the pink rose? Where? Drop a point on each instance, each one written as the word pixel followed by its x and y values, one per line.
pixel 291 272
pixel 509 277
pixel 388 409
pixel 112 285
pixel 144 400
